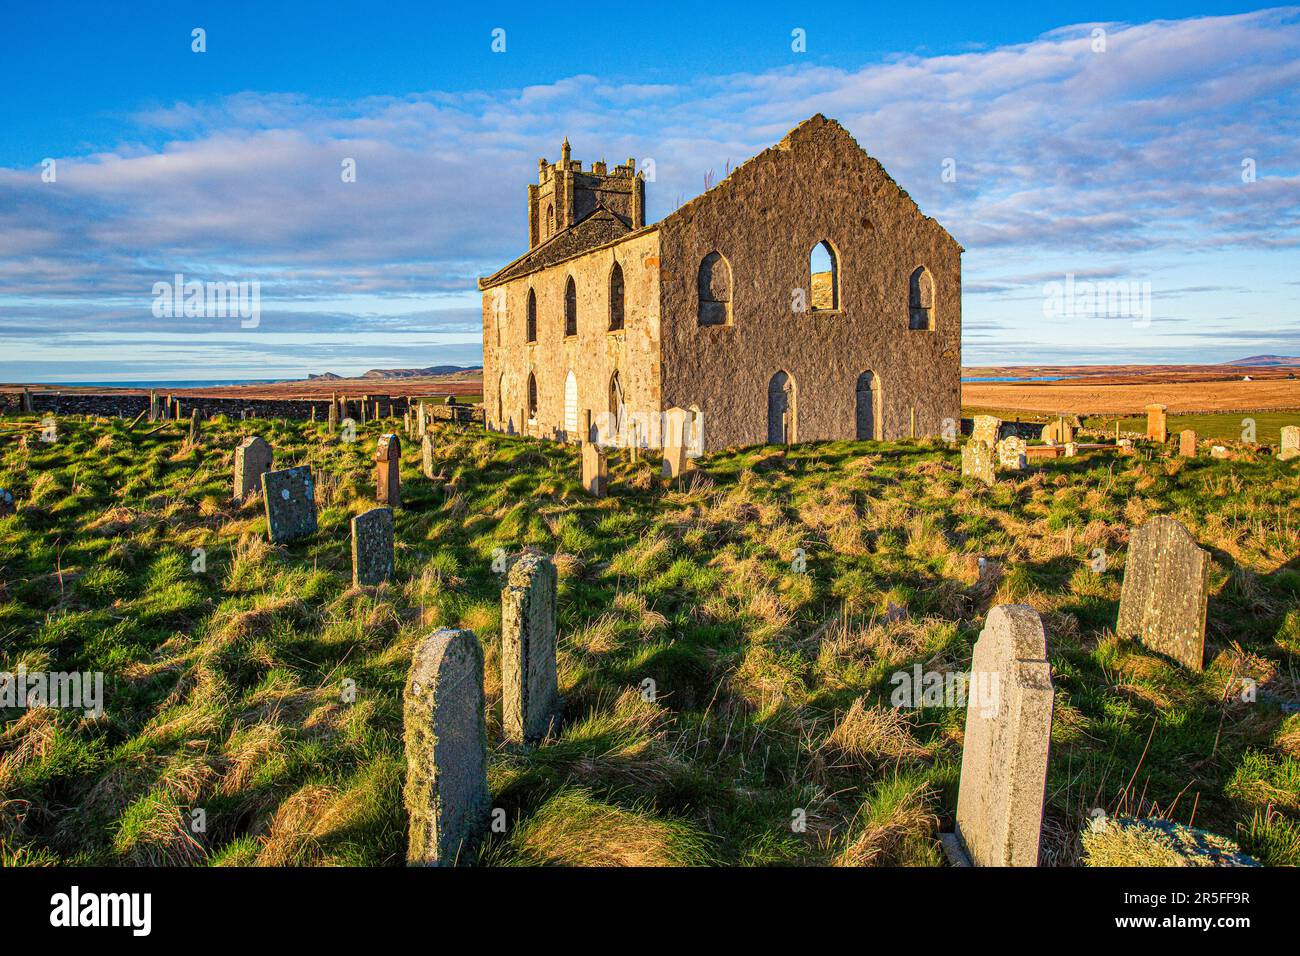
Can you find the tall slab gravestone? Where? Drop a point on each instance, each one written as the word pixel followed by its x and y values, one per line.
pixel 1187 443
pixel 290 498
pixel 1156 428
pixel 1012 454
pixel 977 461
pixel 447 798
pixel 426 455
pixel 252 460
pixel 1166 591
pixel 530 695
pixel 595 470
pixel 372 547
pixel 388 473
pixel 1008 730
pixel 985 429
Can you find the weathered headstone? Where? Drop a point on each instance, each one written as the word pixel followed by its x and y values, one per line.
pixel 1187 443
pixel 447 798
pixel 530 696
pixel 977 461
pixel 290 496
pixel 194 426
pixel 426 456
pixel 388 473
pixel 985 429
pixel 1071 449
pixel 153 406
pixel 675 461
pixel 1156 428
pixel 1219 451
pixel 252 460
pixel 333 420
pixel 1008 730
pixel 372 547
pixel 1011 453
pixel 595 470
pixel 1290 443
pixel 1165 593
pixel 1058 432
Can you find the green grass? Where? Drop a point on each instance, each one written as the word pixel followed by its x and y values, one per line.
pixel 770 739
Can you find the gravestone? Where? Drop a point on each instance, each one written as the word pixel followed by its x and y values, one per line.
pixel 1166 588
pixel 388 474
pixel 252 460
pixel 1187 443
pixel 985 429
pixel 194 425
pixel 1125 446
pixel 153 406
pixel 1008 731
pixel 1156 428
pixel 333 421
pixel 530 697
pixel 977 461
pixel 1218 451
pixel 1059 432
pixel 447 798
pixel 1071 449
pixel 1011 453
pixel 290 497
pixel 372 547
pixel 426 456
pixel 1290 443
pixel 595 470
pixel 675 461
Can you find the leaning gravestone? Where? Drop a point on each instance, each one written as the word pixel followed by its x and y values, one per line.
pixel 426 455
pixel 447 797
pixel 372 547
pixel 290 496
pixel 1166 589
pixel 1008 730
pixel 252 460
pixel 1290 443
pixel 985 429
pixel 977 461
pixel 530 697
pixel 1011 453
pixel 1187 443
pixel 388 473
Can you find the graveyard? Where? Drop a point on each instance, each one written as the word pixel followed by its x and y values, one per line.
pixel 365 645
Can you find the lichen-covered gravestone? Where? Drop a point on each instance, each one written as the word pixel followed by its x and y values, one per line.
pixel 252 460
pixel 290 497
pixel 1166 589
pixel 1008 730
pixel 595 470
pixel 1290 443
pixel 447 798
pixel 426 455
pixel 977 461
pixel 1011 453
pixel 530 696
pixel 372 547
pixel 388 474
pixel 985 429
pixel 1187 443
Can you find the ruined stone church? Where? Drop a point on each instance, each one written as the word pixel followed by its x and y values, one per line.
pixel 804 297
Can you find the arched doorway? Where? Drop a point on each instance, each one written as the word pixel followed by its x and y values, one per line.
pixel 868 407
pixel 571 407
pixel 781 409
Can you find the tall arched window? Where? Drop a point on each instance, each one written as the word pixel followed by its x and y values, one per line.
pixel 532 396
pixel 616 298
pixel 823 277
pixel 570 308
pixel 714 283
pixel 531 330
pixel 920 300
pixel 549 228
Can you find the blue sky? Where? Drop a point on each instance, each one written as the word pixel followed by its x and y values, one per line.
pixel 1115 164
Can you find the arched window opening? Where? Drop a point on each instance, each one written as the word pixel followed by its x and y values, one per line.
pixel 616 298
pixel 570 308
pixel 531 330
pixel 920 300
pixel 549 227
pixel 781 409
pixel 715 290
pixel 823 278
pixel 532 397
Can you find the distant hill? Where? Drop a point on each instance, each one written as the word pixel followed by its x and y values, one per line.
pixel 432 370
pixel 1268 360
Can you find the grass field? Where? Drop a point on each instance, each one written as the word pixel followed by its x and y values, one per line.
pixel 1227 426
pixel 226 690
